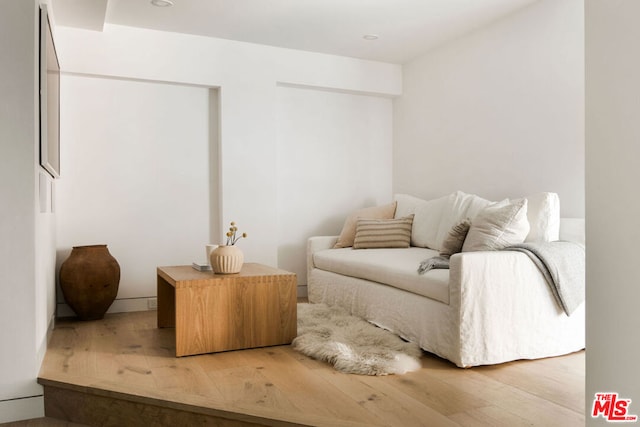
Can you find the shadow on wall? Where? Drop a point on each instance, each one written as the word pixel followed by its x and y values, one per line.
pixel 292 256
pixel 61 256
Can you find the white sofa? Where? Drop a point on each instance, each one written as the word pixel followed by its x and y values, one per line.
pixel 489 307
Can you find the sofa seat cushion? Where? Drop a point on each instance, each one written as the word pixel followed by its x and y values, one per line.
pixel 393 267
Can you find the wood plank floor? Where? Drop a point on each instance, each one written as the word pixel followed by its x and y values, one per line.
pixel 126 355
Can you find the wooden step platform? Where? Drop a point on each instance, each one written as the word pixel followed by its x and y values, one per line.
pixel 121 371
pixel 42 422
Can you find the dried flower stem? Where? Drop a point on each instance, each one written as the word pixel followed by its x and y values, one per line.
pixel 232 234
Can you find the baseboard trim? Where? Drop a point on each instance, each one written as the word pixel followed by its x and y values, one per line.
pixel 124 305
pixel 22 408
pixel 302 291
pixel 42 348
pixel 127 305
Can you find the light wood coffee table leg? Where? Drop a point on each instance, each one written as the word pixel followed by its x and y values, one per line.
pixel 166 304
pixel 192 314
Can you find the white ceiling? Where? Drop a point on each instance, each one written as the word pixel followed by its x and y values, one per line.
pixel 406 28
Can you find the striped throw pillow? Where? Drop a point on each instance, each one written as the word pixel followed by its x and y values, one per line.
pixel 383 233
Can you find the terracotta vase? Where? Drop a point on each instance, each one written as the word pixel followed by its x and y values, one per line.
pixel 226 260
pixel 89 279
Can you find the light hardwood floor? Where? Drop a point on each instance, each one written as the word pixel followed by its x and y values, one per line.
pixel 126 354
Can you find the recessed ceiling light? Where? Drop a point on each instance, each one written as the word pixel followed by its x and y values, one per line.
pixel 370 37
pixel 162 3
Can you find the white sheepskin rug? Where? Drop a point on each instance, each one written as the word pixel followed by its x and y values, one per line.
pixel 352 345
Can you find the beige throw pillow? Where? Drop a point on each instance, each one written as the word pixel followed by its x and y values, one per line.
pixel 383 233
pixel 455 239
pixel 498 226
pixel 345 240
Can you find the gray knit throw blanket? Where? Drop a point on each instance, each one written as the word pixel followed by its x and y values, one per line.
pixel 433 263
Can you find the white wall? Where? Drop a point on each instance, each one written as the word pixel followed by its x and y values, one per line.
pixel 498 112
pixel 613 150
pixel 334 156
pixel 247 77
pixel 27 235
pixel 136 176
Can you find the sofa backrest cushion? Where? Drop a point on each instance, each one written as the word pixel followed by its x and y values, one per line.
pixel 498 226
pixel 435 218
pixel 543 213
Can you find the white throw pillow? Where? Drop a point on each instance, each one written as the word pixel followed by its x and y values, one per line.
pixel 426 220
pixel 497 226
pixel 406 205
pixel 459 206
pixel 426 223
pixel 543 213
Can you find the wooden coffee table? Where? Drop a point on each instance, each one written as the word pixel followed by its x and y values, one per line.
pixel 217 312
